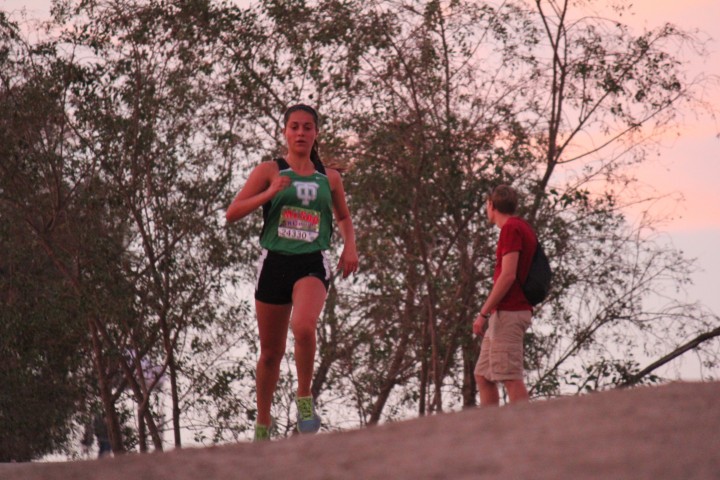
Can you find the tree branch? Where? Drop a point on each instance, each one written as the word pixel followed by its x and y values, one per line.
pixel 691 345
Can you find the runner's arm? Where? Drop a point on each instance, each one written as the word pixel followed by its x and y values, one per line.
pixel 262 185
pixel 348 259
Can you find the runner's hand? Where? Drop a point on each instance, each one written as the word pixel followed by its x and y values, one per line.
pixel 280 182
pixel 348 262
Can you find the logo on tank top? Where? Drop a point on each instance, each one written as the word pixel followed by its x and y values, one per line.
pixel 306 191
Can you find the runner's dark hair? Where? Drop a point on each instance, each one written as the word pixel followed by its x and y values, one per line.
pixel 314 155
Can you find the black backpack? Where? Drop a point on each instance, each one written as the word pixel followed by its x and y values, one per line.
pixel 537 284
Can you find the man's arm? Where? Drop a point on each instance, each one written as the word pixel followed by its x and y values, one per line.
pixel 508 274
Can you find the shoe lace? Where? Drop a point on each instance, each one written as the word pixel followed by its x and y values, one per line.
pixel 306 408
pixel 262 432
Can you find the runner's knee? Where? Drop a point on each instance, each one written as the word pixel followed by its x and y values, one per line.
pixel 270 357
pixel 304 331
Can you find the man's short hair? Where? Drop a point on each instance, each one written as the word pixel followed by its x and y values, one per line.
pixel 504 199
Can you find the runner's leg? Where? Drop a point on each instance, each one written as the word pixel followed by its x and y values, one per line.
pixel 273 327
pixel 308 300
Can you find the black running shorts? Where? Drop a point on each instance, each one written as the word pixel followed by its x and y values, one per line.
pixel 277 274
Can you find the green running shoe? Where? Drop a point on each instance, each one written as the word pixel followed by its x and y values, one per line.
pixel 307 420
pixel 262 433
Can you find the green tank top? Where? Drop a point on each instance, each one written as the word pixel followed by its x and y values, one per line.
pixel 299 218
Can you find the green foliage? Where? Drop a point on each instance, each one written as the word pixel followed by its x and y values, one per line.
pixel 42 323
pixel 42 372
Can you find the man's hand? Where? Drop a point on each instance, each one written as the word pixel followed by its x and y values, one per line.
pixel 479 324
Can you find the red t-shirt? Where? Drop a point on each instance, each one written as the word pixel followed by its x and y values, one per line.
pixel 515 236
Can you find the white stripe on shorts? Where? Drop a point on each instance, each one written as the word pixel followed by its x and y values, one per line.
pixel 326 264
pixel 259 266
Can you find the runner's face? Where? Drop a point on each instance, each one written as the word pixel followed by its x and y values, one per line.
pixel 300 132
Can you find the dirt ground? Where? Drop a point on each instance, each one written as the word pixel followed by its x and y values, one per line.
pixel 667 432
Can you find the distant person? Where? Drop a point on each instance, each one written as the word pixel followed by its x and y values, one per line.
pixel 299 197
pixel 103 439
pixel 506 312
pixel 88 438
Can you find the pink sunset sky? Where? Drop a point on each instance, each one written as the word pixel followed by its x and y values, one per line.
pixel 690 162
pixel 688 165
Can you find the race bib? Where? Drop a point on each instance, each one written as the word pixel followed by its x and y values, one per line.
pixel 299 224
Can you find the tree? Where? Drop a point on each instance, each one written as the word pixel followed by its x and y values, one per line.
pixel 42 374
pixel 136 163
pixel 623 90
pixel 431 152
pixel 461 97
pixel 52 247
pixel 165 148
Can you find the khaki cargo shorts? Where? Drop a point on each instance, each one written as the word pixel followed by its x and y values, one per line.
pixel 501 351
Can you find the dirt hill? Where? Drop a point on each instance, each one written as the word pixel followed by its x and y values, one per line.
pixel 668 432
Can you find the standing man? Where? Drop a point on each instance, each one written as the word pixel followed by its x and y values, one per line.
pixel 506 311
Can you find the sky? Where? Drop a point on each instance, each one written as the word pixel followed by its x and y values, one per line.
pixel 688 164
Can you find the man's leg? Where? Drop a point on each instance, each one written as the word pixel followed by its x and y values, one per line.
pixel 510 333
pixel 516 391
pixel 489 393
